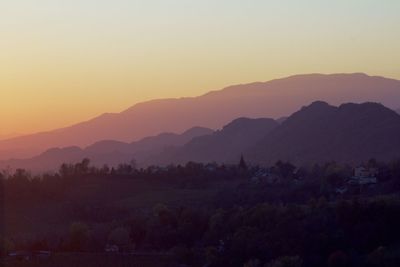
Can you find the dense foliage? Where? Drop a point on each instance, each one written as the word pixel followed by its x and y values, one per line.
pixel 234 220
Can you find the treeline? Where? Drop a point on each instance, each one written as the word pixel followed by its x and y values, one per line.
pixel 326 176
pixel 20 185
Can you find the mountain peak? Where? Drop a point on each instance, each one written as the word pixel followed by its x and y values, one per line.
pixel 319 104
pixel 317 109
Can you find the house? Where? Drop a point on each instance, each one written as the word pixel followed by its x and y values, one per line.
pixel 364 176
pixel 362 171
pixel 265 176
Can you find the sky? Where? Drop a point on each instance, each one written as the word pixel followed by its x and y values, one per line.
pixel 63 62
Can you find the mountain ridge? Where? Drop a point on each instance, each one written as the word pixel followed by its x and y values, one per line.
pixel 108 152
pixel 321 132
pixel 211 110
pixel 350 133
pixel 224 145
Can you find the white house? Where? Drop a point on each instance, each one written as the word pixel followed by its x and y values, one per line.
pixel 364 176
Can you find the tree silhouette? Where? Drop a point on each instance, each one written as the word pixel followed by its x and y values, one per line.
pixel 242 163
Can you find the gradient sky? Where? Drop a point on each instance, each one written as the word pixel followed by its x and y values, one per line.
pixel 66 61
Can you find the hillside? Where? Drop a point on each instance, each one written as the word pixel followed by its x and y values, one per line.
pixel 107 152
pixel 225 145
pixel 320 132
pixel 272 99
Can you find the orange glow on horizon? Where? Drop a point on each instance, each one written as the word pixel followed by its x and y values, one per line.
pixel 64 62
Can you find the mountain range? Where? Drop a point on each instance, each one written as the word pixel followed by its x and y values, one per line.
pixel 350 133
pixel 224 145
pixel 107 152
pixel 9 136
pixel 273 99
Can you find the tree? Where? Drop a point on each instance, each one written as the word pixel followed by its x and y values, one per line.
pixel 133 164
pixel 212 256
pixel 124 169
pixel 372 163
pixel 78 236
pixel 21 175
pixel 252 263
pixel 137 228
pixel 377 257
pixel 120 237
pixel 5 246
pixel 242 163
pixel 337 259
pixel 284 169
pixel 335 174
pixel 82 167
pixel 163 213
pixel 183 254
pixel 105 169
pixel 66 170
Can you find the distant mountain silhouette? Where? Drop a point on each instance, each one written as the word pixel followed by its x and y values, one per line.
pixel 107 152
pixel 225 145
pixel 350 133
pixel 148 145
pixel 398 110
pixel 8 136
pixel 281 120
pixel 319 132
pixel 272 99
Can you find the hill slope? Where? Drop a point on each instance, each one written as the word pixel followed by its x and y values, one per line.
pixel 320 132
pixel 272 99
pixel 107 152
pixel 225 145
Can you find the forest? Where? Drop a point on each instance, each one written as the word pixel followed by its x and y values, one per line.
pixel 204 215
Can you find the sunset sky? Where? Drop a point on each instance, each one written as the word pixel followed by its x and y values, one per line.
pixel 62 61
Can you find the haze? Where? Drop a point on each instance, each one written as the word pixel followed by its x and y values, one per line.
pixel 66 61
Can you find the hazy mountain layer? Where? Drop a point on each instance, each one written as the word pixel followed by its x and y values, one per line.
pixel 272 99
pixel 108 152
pixel 225 145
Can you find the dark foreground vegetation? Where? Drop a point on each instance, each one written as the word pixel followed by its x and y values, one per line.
pixel 202 215
pixel 96 260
